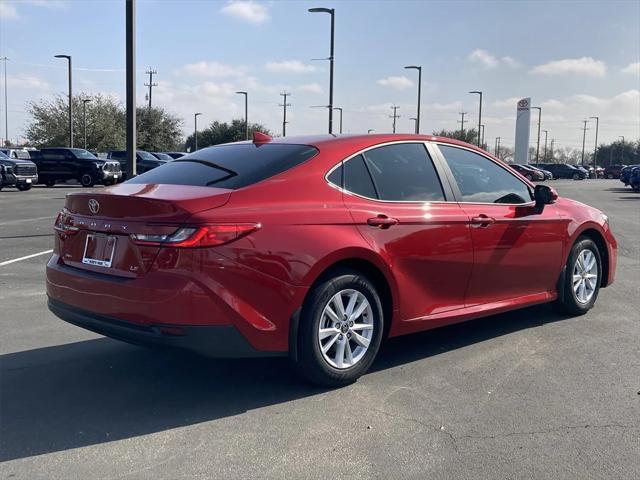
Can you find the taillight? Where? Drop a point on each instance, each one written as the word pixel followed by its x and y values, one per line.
pixel 64 223
pixel 194 237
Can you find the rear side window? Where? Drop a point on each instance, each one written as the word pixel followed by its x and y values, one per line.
pixel 229 166
pixel 356 178
pixel 482 181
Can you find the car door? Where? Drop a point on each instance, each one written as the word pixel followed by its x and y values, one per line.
pixel 517 252
pixel 49 164
pixel 404 212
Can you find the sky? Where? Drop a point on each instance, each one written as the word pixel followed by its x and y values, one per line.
pixel 575 59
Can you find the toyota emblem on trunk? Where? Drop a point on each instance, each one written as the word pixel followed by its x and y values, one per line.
pixel 94 206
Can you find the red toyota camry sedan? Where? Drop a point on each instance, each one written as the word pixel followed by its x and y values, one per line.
pixel 320 247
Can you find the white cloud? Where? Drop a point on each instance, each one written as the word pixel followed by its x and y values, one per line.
pixel 552 104
pixel 8 11
pixel 396 82
pixel 27 82
pixel 310 88
pixel 484 58
pixel 487 60
pixel 445 107
pixel 581 66
pixel 633 68
pixel 506 103
pixel 289 66
pixel 247 10
pixel 213 69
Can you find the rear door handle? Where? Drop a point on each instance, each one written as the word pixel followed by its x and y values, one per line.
pixel 482 221
pixel 382 221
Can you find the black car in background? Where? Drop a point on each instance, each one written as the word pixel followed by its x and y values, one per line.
pixel 613 171
pixel 625 173
pixel 144 161
pixel 561 170
pixel 16 172
pixel 163 156
pixel 175 155
pixel 61 164
pixel 547 174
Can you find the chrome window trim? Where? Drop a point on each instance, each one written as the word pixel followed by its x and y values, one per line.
pixel 530 203
pixel 384 144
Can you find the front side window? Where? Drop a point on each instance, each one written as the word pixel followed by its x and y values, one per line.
pixel 482 181
pixel 82 154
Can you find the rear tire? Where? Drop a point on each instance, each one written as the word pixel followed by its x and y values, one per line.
pixel 86 180
pixel 610 176
pixel 582 279
pixel 576 176
pixel 335 349
pixel 49 183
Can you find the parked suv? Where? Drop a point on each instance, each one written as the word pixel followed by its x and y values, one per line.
pixel 561 170
pixel 144 161
pixel 59 164
pixel 17 172
pixel 17 153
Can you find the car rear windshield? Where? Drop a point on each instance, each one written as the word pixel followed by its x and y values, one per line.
pixel 229 166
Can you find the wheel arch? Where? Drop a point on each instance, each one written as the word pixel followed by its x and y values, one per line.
pixel 598 238
pixel 375 269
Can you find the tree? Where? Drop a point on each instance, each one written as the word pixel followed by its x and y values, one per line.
pixel 469 136
pixel 618 153
pixel 49 126
pixel 157 129
pixel 223 132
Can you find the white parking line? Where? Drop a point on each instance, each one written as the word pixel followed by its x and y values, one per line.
pixel 2 264
pixel 22 220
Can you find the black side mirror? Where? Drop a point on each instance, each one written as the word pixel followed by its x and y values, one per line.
pixel 543 195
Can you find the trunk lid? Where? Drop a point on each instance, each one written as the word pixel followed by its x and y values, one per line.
pixel 96 226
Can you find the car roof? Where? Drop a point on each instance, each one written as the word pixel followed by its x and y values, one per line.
pixel 356 142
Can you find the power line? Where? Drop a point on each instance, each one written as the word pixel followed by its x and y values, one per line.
pixel 395 116
pixel 284 106
pixel 151 83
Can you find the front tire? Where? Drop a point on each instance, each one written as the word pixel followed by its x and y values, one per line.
pixel 583 278
pixel 341 328
pixel 23 188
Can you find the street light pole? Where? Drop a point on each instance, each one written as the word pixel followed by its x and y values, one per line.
pixel 538 142
pixel 246 113
pixel 622 150
pixel 331 12
pixel 419 68
pixel 584 137
pixel 544 155
pixel 68 58
pixel 6 104
pixel 498 147
pixel 130 46
pixel 84 119
pixel 195 130
pixel 595 149
pixel 340 110
pixel 479 113
pixel 482 141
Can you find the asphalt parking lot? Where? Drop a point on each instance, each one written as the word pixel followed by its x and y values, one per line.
pixel 528 394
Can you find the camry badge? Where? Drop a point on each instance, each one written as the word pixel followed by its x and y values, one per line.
pixel 94 206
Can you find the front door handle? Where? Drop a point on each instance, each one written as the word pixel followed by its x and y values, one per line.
pixel 382 221
pixel 482 221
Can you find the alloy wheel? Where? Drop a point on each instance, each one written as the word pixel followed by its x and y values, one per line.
pixel 345 329
pixel 585 276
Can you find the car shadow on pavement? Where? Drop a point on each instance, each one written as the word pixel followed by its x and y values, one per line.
pixel 95 391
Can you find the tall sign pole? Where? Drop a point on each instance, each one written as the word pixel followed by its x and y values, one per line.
pixel 523 127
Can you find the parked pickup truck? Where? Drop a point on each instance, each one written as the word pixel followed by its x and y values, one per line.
pixel 16 172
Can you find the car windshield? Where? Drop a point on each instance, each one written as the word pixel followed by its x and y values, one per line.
pixel 146 155
pixel 163 156
pixel 3 155
pixel 84 154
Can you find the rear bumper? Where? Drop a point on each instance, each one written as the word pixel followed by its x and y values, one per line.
pixel 219 341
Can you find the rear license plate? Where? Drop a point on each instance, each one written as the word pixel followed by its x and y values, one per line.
pixel 99 250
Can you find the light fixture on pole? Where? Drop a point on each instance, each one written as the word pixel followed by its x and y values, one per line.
pixel 479 112
pixel 419 69
pixel 331 12
pixel 84 119
pixel 195 130
pixel 246 113
pixel 68 58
